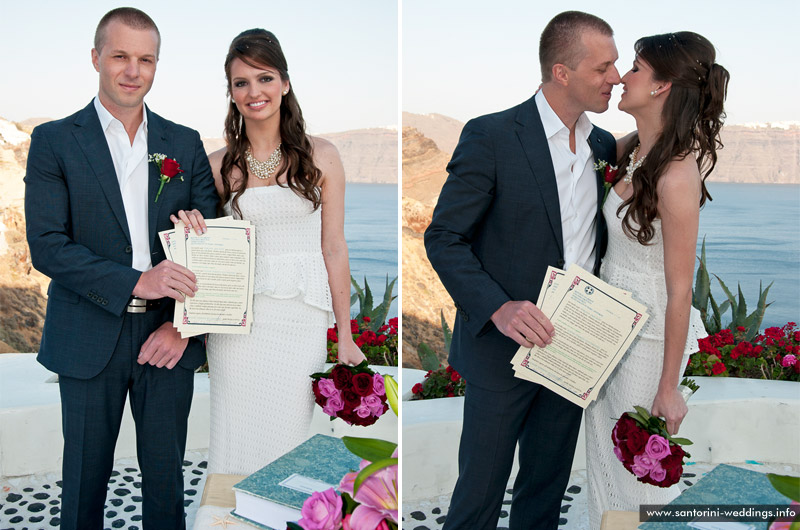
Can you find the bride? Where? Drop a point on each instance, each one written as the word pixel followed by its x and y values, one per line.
pixel 291 187
pixel 675 91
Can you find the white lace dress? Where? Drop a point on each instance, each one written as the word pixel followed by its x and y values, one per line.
pixel 261 399
pixel 639 269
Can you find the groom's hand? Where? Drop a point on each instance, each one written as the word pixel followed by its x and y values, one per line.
pixel 167 279
pixel 164 347
pixel 523 322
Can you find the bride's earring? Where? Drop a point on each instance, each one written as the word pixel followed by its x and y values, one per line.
pixel 654 92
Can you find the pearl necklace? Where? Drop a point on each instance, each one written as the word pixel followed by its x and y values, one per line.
pixel 263 170
pixel 633 164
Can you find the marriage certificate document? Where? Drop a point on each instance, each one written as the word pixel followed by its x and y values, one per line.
pixel 223 260
pixel 595 324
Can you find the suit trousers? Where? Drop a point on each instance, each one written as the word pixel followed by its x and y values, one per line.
pixel 546 427
pixel 91 415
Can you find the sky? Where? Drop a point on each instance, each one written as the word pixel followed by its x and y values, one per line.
pixel 465 58
pixel 342 58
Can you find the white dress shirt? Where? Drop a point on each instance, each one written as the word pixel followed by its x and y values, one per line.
pixel 130 164
pixel 577 184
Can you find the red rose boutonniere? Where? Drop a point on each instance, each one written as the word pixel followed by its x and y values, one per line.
pixel 167 167
pixel 609 176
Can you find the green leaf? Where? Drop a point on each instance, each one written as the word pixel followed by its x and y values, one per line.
pixel 448 335
pixel 741 313
pixel 702 284
pixel 348 504
pixel 681 441
pixel 391 392
pixel 643 412
pixel 427 357
pixel 293 526
pixel 786 485
pixel 370 449
pixel 370 469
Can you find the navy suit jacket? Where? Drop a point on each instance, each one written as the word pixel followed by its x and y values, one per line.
pixel 78 233
pixel 495 230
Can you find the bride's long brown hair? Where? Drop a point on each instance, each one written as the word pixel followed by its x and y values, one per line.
pixel 259 48
pixel 692 117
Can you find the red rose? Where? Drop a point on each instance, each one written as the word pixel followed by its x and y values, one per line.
pixel 367 319
pixel 354 326
pixel 637 439
pixel 417 389
pixel 170 168
pixel 740 329
pixel 393 322
pixel 797 336
pixel 380 340
pixel 773 332
pixel 718 368
pixel 611 174
pixel 341 376
pixel 624 426
pixel 319 399
pixel 454 377
pixel 362 384
pixel 351 399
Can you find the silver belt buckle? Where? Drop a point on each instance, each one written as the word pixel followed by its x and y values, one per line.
pixel 137 305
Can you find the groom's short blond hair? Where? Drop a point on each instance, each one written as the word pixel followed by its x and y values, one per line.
pixel 131 17
pixel 561 40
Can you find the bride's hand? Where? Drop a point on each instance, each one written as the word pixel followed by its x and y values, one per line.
pixel 670 405
pixel 349 353
pixel 192 219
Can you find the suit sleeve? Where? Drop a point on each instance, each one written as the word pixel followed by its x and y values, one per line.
pixel 53 250
pixel 466 197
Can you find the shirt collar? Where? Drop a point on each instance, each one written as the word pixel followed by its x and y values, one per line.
pixel 552 124
pixel 106 117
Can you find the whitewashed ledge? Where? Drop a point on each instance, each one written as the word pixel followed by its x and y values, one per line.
pixel 730 420
pixel 30 419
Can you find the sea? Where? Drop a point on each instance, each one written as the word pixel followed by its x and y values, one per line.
pixel 371 228
pixel 752 234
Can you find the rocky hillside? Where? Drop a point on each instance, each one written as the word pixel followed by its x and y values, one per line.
pixel 761 153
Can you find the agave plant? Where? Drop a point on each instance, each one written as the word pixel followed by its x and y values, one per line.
pixel 427 357
pixel 377 314
pixel 702 298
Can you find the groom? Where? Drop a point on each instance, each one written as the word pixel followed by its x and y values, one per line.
pixel 92 223
pixel 522 194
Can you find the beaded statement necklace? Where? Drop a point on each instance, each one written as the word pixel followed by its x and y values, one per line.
pixel 633 164
pixel 263 170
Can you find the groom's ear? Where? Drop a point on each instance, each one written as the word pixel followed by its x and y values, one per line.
pixel 560 74
pixel 96 59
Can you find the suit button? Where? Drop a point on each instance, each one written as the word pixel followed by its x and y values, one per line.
pixel 128 249
pixel 105 302
pixel 560 264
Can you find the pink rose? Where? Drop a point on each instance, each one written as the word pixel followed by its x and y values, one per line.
pixel 374 403
pixel 322 511
pixel 644 462
pixel 657 447
pixel 363 410
pixel 789 360
pixel 334 405
pixel 377 385
pixel 658 473
pixel 328 388
pixel 639 471
pixel 618 454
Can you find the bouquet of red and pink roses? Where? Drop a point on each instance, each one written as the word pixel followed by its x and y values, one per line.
pixel 646 449
pixel 355 394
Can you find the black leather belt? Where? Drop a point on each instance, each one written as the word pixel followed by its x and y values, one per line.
pixel 140 305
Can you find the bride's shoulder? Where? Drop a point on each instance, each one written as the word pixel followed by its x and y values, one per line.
pixel 681 179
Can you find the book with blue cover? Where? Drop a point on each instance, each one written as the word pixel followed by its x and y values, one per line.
pixel 725 485
pixel 275 493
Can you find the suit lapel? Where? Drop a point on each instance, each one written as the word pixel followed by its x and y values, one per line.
pixel 159 140
pixel 602 149
pixel 92 141
pixel 534 142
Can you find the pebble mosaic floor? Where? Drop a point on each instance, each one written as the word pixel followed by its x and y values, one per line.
pixel 32 502
pixel 430 514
